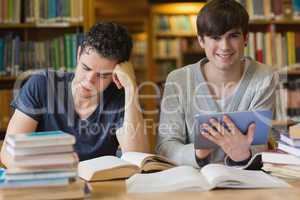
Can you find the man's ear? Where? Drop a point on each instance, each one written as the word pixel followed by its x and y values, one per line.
pixel 246 37
pixel 78 53
pixel 201 41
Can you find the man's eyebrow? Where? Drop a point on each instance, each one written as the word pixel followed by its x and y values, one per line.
pixel 88 68
pixel 104 74
pixel 236 32
pixel 98 73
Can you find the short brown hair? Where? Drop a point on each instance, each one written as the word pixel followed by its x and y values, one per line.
pixel 219 16
pixel 110 40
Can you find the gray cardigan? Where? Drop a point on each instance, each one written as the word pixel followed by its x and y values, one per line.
pixel 186 94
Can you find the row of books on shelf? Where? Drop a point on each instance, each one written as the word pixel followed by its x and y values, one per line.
pixel 40 11
pixel 279 50
pixel 138 56
pixel 268 9
pixel 288 97
pixel 257 9
pixel 167 48
pixel 42 164
pixel 175 23
pixel 174 48
pixel 17 55
pixel 139 47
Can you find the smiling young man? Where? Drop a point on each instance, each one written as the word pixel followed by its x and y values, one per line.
pixel 224 81
pixel 98 103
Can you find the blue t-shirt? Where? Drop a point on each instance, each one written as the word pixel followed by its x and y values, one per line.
pixel 47 98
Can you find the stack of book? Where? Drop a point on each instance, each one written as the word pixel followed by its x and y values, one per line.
pixel 290 142
pixel 43 166
pixel 286 162
pixel 282 165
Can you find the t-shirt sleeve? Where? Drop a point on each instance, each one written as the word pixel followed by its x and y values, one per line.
pixel 29 100
pixel 119 110
pixel 119 120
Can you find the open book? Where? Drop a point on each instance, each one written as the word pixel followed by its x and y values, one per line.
pixel 187 178
pixel 111 167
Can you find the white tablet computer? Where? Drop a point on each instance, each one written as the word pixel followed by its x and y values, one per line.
pixel 262 119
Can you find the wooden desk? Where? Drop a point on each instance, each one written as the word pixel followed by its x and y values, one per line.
pixel 115 190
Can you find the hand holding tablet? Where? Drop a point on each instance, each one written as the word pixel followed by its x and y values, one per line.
pixel 261 118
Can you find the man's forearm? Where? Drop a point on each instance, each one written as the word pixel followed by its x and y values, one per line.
pixel 132 136
pixel 5 158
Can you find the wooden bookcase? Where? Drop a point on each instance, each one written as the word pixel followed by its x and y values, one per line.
pixel 172 34
pixel 156 74
pixel 172 38
pixel 39 31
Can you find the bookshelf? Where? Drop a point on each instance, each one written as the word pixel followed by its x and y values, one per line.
pixel 172 43
pixel 38 34
pixel 168 48
pixel 274 39
pixel 139 56
pixel 274 35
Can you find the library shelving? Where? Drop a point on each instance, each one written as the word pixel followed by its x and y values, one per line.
pixel 139 56
pixel 172 42
pixel 274 39
pixel 274 36
pixel 172 37
pixel 38 34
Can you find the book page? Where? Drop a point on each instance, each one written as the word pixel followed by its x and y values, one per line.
pixel 225 176
pixel 148 162
pixel 136 158
pixel 103 163
pixel 280 158
pixel 183 178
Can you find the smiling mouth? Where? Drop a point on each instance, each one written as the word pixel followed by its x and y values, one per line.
pixel 225 55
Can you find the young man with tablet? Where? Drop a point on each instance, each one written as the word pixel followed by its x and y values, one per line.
pixel 224 81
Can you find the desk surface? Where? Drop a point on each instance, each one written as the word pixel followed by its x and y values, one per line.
pixel 116 190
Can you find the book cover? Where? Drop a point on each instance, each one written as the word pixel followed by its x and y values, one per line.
pixel 258 9
pixel 28 151
pixel 34 183
pixel 2 68
pixel 35 139
pixel 288 148
pixel 291 47
pixel 75 190
pixel 290 141
pixel 46 160
pixel 40 176
pixel 259 47
pixel 294 131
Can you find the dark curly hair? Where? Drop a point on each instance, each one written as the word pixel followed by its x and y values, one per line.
pixel 110 40
pixel 219 16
